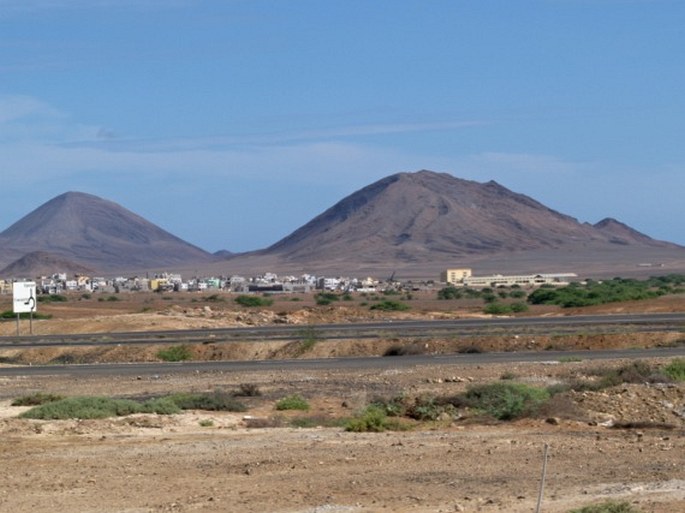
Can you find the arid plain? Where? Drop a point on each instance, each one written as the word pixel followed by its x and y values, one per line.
pixel 623 443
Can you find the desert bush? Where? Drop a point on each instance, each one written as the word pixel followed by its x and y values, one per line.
pixel 175 353
pixel 519 307
pixel 489 297
pixel 429 408
pixel 210 401
pixel 394 407
pixel 36 399
pixel 293 402
pixel 609 291
pixel 373 419
pixel 313 421
pixel 52 298
pixel 247 390
pixel 506 401
pixel 607 507
pixel 9 314
pixel 96 408
pixel 309 337
pixel 253 301
pixel 326 298
pixel 676 369
pixel 390 306
pixel 495 308
pixel 449 292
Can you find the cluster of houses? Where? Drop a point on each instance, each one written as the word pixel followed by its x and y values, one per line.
pixel 272 283
pixel 169 282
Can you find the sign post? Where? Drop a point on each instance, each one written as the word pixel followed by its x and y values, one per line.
pixel 24 300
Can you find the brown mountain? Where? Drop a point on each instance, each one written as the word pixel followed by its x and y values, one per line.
pixel 620 233
pixel 39 263
pixel 96 233
pixel 427 216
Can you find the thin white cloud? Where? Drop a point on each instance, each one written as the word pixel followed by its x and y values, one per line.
pixel 25 118
pixel 277 138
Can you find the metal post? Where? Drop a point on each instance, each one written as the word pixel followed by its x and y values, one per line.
pixel 542 481
pixel 31 322
pixel 17 325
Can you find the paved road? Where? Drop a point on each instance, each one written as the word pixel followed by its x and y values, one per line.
pixel 420 328
pixel 405 328
pixel 367 363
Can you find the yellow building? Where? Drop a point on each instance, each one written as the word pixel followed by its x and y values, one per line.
pixel 455 276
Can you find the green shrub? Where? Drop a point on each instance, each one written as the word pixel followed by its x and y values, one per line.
pixel 9 314
pixel 36 399
pixel 676 369
pixel 326 298
pixel 390 306
pixel 609 291
pixel 161 406
pixel 519 307
pixel 52 298
pixel 449 292
pixel 211 401
pixel 373 419
pixel 96 408
pixel 607 507
pixel 506 401
pixel 292 402
pixel 309 338
pixel 313 421
pixel 489 297
pixel 175 353
pixel 429 408
pixel 252 301
pixel 497 309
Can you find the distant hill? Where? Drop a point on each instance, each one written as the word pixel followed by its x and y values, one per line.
pixel 98 234
pixel 427 216
pixel 41 263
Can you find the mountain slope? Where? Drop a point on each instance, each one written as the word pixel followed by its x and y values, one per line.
pixel 97 233
pixel 39 263
pixel 424 216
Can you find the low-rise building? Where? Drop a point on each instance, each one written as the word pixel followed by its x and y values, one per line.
pixel 464 278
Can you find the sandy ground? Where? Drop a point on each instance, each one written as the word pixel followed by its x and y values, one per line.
pixel 257 462
pixel 208 461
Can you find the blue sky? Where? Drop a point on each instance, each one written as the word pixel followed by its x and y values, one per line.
pixel 231 123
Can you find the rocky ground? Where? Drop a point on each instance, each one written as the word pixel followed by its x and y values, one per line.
pixel 621 443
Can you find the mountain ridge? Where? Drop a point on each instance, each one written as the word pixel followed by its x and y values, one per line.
pixel 417 219
pixel 412 216
pixel 98 233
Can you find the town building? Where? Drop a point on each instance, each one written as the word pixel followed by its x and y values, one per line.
pixel 465 278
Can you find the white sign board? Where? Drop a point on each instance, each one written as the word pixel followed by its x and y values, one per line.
pixel 24 296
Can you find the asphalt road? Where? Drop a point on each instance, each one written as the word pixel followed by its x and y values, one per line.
pixel 366 363
pixel 413 328
pixel 408 328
